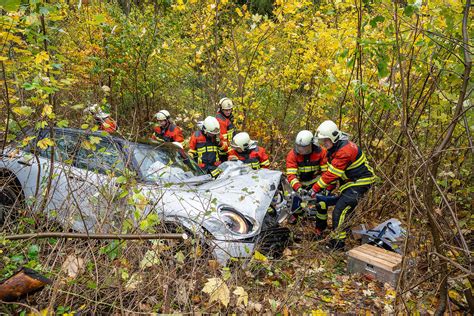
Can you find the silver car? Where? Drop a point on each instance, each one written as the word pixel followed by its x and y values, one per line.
pixel 104 183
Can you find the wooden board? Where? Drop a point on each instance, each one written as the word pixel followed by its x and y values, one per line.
pixel 390 256
pixel 376 256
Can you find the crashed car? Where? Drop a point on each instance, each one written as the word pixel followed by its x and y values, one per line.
pixel 236 213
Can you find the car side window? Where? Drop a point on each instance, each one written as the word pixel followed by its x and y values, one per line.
pixel 101 157
pixel 65 146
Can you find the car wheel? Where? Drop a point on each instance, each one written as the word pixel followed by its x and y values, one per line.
pixel 10 199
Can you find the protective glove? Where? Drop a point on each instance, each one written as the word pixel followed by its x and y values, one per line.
pixel 313 193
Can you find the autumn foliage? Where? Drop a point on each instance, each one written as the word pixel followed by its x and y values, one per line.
pixel 393 74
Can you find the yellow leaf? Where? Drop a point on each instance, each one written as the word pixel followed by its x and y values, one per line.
pixel 45 143
pixel 47 110
pixel 217 290
pixel 40 57
pixel 22 110
pixel 3 58
pixel 327 299
pixel 259 256
pixel 27 140
pixel 318 313
pixel 239 12
pixel 242 296
pixel 94 140
pixel 87 145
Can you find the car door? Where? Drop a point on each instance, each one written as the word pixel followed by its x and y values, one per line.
pixel 66 145
pixel 98 163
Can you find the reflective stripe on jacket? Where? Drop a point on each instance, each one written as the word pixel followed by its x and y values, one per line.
pixel 206 150
pixel 257 158
pixel 348 163
pixel 226 126
pixel 302 170
pixel 170 134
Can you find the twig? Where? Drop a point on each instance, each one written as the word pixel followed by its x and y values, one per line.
pixel 183 236
pixel 457 265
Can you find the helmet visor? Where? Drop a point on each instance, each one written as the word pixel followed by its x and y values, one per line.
pixel 213 132
pixel 303 150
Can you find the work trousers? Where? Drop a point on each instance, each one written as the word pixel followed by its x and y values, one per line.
pixel 344 210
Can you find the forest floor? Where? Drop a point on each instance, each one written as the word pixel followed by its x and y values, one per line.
pixel 110 277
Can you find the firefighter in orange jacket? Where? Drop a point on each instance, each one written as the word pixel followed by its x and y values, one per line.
pixel 225 118
pixel 247 151
pixel 102 119
pixel 303 165
pixel 166 130
pixel 348 164
pixel 206 145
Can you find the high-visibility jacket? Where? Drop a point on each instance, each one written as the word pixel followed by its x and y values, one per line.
pixel 256 157
pixel 205 151
pixel 348 164
pixel 226 125
pixel 108 125
pixel 170 134
pixel 302 170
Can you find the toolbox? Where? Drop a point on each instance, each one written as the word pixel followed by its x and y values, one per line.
pixel 375 262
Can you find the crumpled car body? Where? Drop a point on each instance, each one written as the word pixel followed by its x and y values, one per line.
pixel 235 213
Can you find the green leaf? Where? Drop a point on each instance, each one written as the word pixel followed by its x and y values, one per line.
pixel 377 19
pixel 409 10
pixel 63 123
pixel 121 180
pixel 99 18
pixel 382 68
pixel 179 256
pixel 10 5
pixel 33 251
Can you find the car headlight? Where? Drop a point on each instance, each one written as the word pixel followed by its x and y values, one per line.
pixel 234 222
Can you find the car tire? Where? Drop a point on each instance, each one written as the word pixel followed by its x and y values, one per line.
pixel 10 198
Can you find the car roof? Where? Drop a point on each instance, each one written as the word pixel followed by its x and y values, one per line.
pixel 114 137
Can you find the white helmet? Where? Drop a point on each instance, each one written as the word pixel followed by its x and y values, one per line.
pixel 304 138
pixel 241 141
pixel 328 129
pixel 211 125
pixel 95 110
pixel 226 104
pixel 303 141
pixel 162 115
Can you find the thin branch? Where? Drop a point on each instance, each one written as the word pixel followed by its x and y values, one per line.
pixel 96 236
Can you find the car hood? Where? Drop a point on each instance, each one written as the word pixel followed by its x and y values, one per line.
pixel 197 205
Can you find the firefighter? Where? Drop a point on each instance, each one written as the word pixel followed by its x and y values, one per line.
pixel 166 130
pixel 303 165
pixel 102 119
pixel 247 151
pixel 206 145
pixel 347 164
pixel 225 118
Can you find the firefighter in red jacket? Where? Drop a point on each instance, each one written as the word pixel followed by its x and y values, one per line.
pixel 225 118
pixel 166 130
pixel 348 164
pixel 247 151
pixel 102 119
pixel 304 163
pixel 206 145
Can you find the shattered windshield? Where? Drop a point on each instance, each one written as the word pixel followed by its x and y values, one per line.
pixel 164 163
